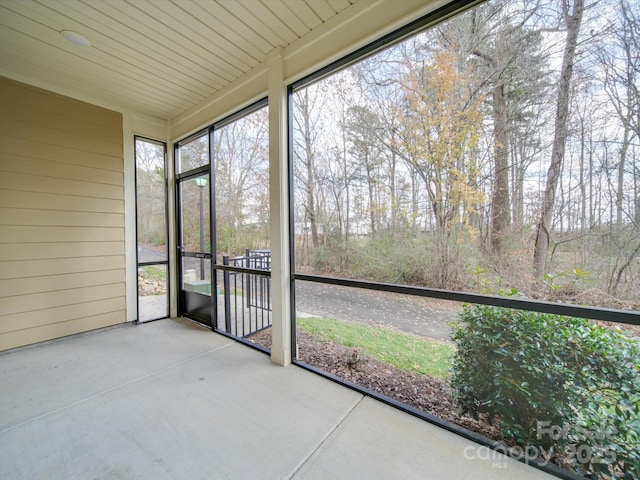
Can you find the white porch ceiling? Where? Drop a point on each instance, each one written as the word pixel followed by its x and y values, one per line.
pixel 157 57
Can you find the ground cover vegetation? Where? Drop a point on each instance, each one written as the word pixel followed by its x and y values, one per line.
pixel 405 352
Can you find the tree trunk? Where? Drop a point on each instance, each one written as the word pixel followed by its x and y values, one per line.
pixel 516 184
pixel 347 189
pixel 309 154
pixel 636 190
pixel 592 202
pixel 373 206
pixel 583 189
pixel 393 194
pixel 415 210
pixel 500 205
pixel 621 167
pixel 573 22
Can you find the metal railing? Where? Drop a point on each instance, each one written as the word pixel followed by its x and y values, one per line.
pixel 246 293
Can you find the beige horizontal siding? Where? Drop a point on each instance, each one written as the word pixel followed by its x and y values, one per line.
pixel 48 331
pixel 44 250
pixel 29 216
pixel 40 183
pixel 52 169
pixel 60 105
pixel 17 234
pixel 65 313
pixel 24 286
pixel 39 116
pixel 58 266
pixel 59 298
pixel 62 240
pixel 75 143
pixel 54 201
pixel 35 149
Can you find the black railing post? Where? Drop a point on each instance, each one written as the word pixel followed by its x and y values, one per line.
pixel 227 295
pixel 248 277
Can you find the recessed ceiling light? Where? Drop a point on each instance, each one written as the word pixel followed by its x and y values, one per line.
pixel 75 38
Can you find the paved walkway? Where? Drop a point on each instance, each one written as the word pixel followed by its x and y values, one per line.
pixel 422 316
pixel 152 307
pixel 171 400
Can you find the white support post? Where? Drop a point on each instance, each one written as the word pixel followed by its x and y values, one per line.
pixel 131 270
pixel 172 225
pixel 279 211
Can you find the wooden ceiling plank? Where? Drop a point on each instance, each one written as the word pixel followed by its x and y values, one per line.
pixel 220 43
pixel 199 36
pixel 140 47
pixel 126 95
pixel 339 5
pixel 171 83
pixel 44 25
pixel 133 14
pixel 270 20
pixel 287 16
pixel 239 10
pixel 38 42
pixel 304 12
pixel 322 9
pixel 155 106
pixel 54 62
pixel 204 12
pixel 174 51
pixel 217 11
pixel 159 57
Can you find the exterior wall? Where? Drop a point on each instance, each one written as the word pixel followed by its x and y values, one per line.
pixel 62 216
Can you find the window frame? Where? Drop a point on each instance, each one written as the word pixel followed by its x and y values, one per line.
pixel 166 262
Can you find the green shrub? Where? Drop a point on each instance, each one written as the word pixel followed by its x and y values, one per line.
pixel 559 384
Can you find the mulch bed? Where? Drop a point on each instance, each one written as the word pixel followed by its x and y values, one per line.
pixel 427 394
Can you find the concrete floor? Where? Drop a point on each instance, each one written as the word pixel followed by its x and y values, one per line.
pixel 171 400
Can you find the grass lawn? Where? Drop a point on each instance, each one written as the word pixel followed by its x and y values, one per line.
pixel 404 351
pixel 156 274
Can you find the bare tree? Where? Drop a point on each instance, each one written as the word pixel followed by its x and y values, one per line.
pixel 305 123
pixel 621 66
pixel 498 42
pixel 362 129
pixel 240 153
pixel 150 188
pixel 573 22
